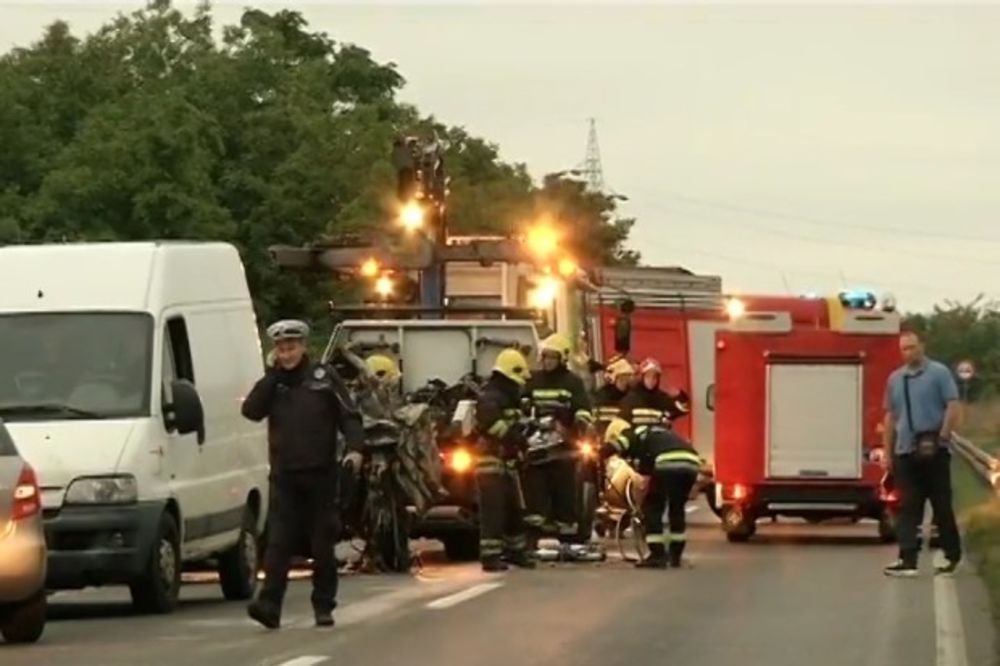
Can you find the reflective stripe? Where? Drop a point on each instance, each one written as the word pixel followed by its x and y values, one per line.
pixel 489 547
pixel 655 538
pixel 551 394
pixel 499 428
pixel 534 520
pixel 567 529
pixel 678 537
pixel 647 411
pixel 585 416
pixel 608 412
pixel 641 431
pixel 621 443
pixel 687 457
pixel 489 465
pixel 515 542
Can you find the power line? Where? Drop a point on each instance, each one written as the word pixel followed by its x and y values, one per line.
pixel 823 241
pixel 760 212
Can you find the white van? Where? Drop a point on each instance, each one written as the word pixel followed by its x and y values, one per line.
pixel 122 371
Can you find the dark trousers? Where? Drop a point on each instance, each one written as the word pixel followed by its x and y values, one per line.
pixel 919 481
pixel 550 489
pixel 501 508
pixel 303 508
pixel 668 490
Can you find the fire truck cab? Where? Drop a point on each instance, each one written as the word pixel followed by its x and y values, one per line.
pixel 798 410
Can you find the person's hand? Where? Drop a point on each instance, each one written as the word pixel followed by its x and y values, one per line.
pixel 353 461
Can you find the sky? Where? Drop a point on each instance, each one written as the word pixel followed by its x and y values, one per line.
pixel 788 148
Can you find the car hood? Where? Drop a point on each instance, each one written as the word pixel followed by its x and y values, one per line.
pixel 61 451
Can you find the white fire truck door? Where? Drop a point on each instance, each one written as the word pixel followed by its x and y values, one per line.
pixel 814 420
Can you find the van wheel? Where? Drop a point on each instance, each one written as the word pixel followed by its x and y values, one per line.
pixel 25 622
pixel 158 589
pixel 238 566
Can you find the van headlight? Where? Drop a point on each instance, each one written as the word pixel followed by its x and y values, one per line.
pixel 103 490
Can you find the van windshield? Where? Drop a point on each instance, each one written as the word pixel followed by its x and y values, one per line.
pixel 87 365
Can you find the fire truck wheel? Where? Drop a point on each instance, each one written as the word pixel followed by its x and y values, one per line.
pixel 738 525
pixel 887 528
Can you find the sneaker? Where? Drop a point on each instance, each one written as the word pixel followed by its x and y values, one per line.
pixel 947 569
pixel 324 619
pixel 901 569
pixel 264 615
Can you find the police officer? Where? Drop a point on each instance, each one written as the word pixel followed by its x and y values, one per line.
pixel 305 404
pixel 501 437
pixel 608 399
pixel 551 481
pixel 646 404
pixel 671 464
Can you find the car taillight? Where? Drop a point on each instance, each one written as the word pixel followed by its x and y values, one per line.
pixel 27 499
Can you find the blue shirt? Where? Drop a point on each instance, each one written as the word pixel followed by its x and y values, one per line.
pixel 931 388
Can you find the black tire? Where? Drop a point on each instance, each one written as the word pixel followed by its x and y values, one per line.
pixel 158 589
pixel 392 536
pixel 887 528
pixel 25 622
pixel 739 528
pixel 588 511
pixel 461 546
pixel 238 566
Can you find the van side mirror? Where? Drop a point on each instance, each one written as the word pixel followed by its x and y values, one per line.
pixel 623 327
pixel 185 413
pixel 710 398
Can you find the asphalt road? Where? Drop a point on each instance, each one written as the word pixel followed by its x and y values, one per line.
pixel 797 594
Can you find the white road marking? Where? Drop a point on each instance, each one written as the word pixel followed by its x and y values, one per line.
pixel 464 595
pixel 950 637
pixel 308 660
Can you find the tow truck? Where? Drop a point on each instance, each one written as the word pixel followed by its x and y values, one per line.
pixel 798 407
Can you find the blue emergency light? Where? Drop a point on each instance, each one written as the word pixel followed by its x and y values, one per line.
pixel 856 299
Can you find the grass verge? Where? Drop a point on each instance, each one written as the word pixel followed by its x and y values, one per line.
pixel 978 507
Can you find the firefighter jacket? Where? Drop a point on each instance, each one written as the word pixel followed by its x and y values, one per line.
pixel 654 448
pixel 304 408
pixel 499 418
pixel 607 403
pixel 561 394
pixel 653 407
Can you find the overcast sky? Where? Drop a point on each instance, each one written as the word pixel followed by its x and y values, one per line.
pixel 795 148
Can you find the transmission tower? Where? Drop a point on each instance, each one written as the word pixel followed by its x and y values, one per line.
pixel 591 168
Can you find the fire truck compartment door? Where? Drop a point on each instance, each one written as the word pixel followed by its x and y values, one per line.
pixel 814 420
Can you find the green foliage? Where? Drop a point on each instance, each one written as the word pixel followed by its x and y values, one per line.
pixel 150 129
pixel 971 331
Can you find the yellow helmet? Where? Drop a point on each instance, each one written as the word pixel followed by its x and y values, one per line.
pixel 615 429
pixel 382 366
pixel 559 344
pixel 620 368
pixel 511 364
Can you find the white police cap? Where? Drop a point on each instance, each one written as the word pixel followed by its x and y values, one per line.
pixel 288 329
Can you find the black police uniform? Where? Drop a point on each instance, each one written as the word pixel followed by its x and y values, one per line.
pixel 551 480
pixel 305 407
pixel 672 464
pixel 501 506
pixel 607 404
pixel 652 407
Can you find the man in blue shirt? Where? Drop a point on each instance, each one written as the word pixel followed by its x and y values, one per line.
pixel 922 409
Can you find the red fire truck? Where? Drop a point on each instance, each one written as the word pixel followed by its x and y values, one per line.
pixel 798 407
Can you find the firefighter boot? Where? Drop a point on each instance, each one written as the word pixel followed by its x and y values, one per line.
pixel 657 558
pixel 676 550
pixel 521 559
pixel 494 564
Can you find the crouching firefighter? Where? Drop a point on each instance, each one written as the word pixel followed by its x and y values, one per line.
pixel 671 465
pixel 501 438
pixel 550 479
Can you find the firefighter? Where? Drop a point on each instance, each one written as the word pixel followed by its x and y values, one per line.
pixel 671 465
pixel 305 404
pixel 608 399
pixel 551 479
pixel 501 437
pixel 647 404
